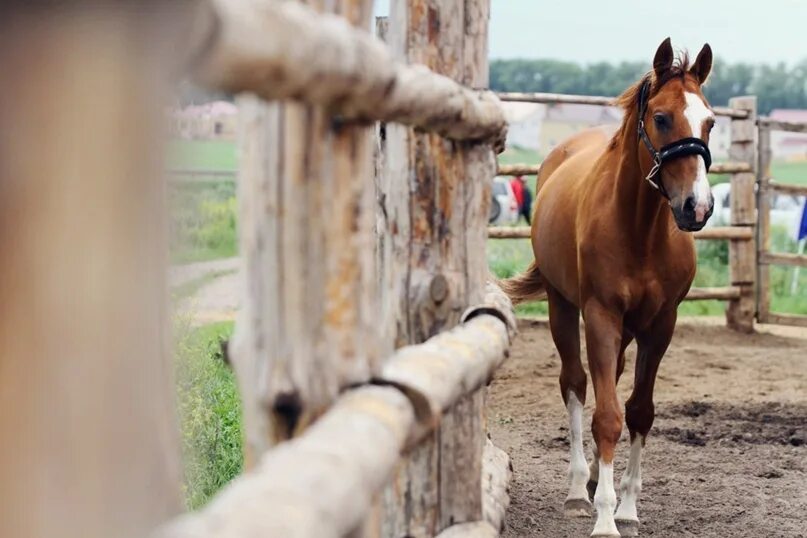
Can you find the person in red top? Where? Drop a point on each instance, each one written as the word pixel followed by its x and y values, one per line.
pixel 523 197
pixel 518 189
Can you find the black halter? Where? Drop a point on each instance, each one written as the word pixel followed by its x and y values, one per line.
pixel 680 148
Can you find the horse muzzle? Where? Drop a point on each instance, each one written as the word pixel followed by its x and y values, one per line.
pixel 692 214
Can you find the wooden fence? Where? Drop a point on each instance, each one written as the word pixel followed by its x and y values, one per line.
pixel 364 400
pixel 362 375
pixel 741 234
pixel 768 187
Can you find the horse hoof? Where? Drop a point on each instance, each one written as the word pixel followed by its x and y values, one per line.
pixel 577 508
pixel 591 487
pixel 627 527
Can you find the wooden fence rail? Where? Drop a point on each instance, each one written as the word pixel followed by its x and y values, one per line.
pixel 532 169
pixel 554 98
pixel 335 65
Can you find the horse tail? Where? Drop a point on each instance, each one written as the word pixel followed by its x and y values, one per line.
pixel 528 286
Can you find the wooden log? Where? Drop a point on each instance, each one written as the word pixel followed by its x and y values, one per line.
pixel 742 253
pixel 518 169
pixel 318 485
pixel 727 293
pixel 764 223
pixel 477 529
pixel 742 233
pixel 437 373
pixel 786 319
pixel 437 202
pixel 532 169
pixel 88 432
pixel 785 188
pixel 337 66
pixel 497 471
pixel 306 329
pixel 555 98
pixel 778 125
pixel 782 258
pixel 730 167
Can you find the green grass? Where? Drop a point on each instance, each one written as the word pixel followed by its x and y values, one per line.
pixel 202 154
pixel 790 172
pixel 203 221
pixel 209 410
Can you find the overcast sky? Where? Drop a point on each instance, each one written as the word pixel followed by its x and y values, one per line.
pixel 615 30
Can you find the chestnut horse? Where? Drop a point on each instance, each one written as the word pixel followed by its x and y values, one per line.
pixel 609 238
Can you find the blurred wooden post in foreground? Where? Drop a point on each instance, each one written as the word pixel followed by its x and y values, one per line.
pixel 88 438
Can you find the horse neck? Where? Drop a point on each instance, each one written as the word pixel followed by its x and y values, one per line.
pixel 643 212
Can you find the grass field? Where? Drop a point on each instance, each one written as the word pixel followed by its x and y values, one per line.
pixel 202 154
pixel 209 411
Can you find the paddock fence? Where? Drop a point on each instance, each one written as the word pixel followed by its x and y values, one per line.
pixel 767 189
pixel 366 337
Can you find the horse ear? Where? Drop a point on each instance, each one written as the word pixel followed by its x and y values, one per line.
pixel 664 58
pixel 703 64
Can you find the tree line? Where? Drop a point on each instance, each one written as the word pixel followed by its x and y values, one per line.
pixel 776 86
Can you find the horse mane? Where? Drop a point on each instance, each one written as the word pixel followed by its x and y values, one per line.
pixel 629 100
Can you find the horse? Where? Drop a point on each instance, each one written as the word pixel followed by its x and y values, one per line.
pixel 610 237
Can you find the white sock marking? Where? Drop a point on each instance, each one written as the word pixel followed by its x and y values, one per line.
pixel 578 469
pixel 696 112
pixel 605 502
pixel 631 484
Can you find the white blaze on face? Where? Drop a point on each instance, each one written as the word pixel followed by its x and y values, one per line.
pixel 696 112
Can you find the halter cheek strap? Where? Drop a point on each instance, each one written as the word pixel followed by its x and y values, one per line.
pixel 683 147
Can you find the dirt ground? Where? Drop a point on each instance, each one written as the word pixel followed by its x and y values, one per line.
pixel 726 456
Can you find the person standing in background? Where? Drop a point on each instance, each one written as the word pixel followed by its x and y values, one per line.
pixel 525 207
pixel 523 197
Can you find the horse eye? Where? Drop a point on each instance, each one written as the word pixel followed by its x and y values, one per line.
pixel 662 120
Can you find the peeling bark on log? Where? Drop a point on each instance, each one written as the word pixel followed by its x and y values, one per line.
pixel 437 226
pixel 497 471
pixel 307 327
pixel 337 66
pixel 437 373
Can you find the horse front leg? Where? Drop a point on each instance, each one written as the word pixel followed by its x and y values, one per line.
pixel 603 341
pixel 639 415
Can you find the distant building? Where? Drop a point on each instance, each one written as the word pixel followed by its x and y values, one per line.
pixel 210 121
pixel 789 146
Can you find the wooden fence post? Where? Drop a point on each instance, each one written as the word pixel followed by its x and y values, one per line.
pixel 742 253
pixel 307 327
pixel 436 206
pixel 763 230
pixel 88 436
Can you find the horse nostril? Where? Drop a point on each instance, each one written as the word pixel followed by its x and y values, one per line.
pixel 689 204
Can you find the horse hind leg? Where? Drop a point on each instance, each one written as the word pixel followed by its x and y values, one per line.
pixel 639 416
pixel 564 322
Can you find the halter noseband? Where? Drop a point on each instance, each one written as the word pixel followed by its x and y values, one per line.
pixel 674 150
